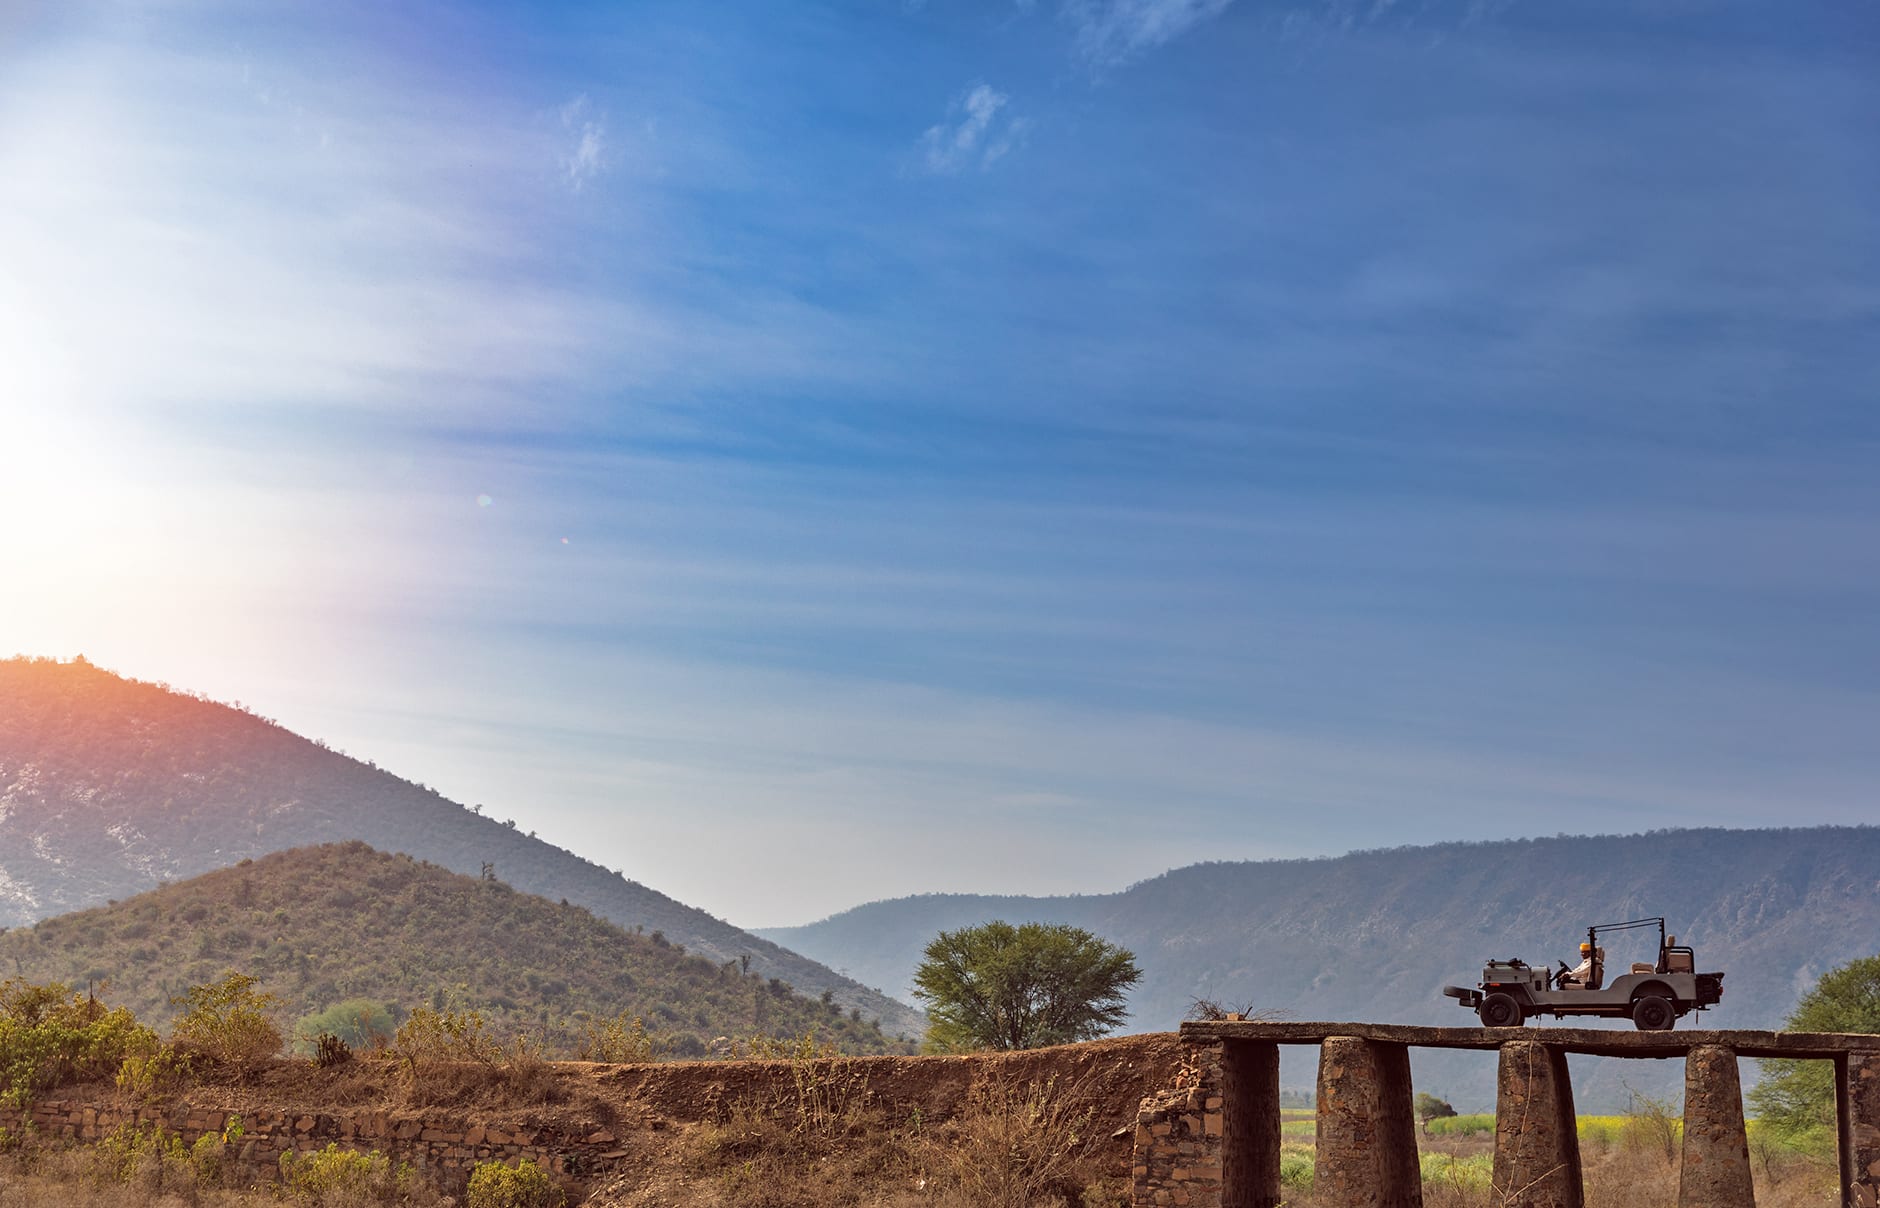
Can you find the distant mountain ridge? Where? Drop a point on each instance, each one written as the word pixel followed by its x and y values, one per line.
pixel 1374 935
pixel 329 924
pixel 109 786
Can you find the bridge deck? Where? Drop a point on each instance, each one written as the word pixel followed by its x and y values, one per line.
pixel 1600 1041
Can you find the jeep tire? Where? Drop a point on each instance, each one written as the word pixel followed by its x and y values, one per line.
pixel 1653 1014
pixel 1501 1011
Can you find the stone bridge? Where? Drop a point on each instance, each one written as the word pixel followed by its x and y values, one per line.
pixel 1213 1140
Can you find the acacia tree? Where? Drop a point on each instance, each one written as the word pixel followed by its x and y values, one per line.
pixel 1797 1097
pixel 997 986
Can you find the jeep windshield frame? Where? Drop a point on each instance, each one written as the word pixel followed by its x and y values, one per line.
pixel 1593 933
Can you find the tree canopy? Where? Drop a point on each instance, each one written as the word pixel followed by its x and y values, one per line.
pixel 1001 986
pixel 1797 1097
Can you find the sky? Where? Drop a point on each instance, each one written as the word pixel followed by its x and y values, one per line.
pixel 800 454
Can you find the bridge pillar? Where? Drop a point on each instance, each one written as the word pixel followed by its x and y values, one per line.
pixel 1857 1119
pixel 1715 1169
pixel 1250 1126
pixel 1367 1146
pixel 1537 1151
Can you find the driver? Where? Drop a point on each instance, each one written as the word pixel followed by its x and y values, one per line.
pixel 1580 974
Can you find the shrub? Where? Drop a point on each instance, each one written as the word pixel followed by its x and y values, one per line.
pixel 622 1038
pixel 1461 1126
pixel 524 1185
pixel 1014 1146
pixel 359 1023
pixel 152 1075
pixel 50 1036
pixel 430 1035
pixel 331 1177
pixel 230 1021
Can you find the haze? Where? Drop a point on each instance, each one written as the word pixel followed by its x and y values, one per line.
pixel 800 454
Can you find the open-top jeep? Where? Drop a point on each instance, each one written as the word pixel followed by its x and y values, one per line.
pixel 1653 996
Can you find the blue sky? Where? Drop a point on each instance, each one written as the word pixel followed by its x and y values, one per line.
pixel 800 454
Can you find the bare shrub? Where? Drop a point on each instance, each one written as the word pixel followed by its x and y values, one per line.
pixel 1016 1146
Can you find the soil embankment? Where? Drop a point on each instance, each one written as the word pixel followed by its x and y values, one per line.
pixel 596 1125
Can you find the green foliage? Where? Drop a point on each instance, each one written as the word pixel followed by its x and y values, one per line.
pixel 351 938
pixel 1796 1098
pixel 1004 987
pixel 1461 1126
pixel 230 1020
pixel 153 1074
pixel 1464 1176
pixel 1429 1107
pixel 524 1185
pixel 335 1176
pixel 360 1023
pixel 51 1036
pixel 1296 1167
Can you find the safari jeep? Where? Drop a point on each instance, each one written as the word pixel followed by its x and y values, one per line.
pixel 1652 995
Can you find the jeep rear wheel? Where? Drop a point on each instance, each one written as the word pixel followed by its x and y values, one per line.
pixel 1501 1011
pixel 1653 1014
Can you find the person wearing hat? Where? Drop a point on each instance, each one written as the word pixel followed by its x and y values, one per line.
pixel 1581 974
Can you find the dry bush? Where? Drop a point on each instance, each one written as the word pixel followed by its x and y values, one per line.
pixel 762 1158
pixel 622 1038
pixel 1016 1146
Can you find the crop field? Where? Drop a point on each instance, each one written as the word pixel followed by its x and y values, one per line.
pixel 1629 1161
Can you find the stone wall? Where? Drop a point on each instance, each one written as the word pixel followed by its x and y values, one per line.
pixel 1179 1132
pixel 442 1149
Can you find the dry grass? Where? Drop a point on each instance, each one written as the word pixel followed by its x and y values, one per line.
pixel 1016 1145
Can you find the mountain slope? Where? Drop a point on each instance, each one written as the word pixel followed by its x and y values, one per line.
pixel 109 786
pixel 322 925
pixel 1374 935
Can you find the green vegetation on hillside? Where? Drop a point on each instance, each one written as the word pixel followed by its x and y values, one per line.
pixel 328 926
pixel 109 784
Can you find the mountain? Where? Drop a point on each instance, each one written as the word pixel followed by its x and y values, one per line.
pixel 324 925
pixel 1374 935
pixel 110 786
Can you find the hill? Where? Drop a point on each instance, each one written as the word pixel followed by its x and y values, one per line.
pixel 109 786
pixel 1374 935
pixel 324 925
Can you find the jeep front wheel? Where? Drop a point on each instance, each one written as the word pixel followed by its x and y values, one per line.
pixel 1501 1011
pixel 1653 1014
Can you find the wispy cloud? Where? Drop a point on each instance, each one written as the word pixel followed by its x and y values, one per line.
pixel 1110 31
pixel 973 133
pixel 588 155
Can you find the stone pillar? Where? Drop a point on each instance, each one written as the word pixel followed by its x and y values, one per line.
pixel 1715 1169
pixel 1179 1136
pixel 1250 1123
pixel 1857 1120
pixel 1367 1153
pixel 1537 1151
